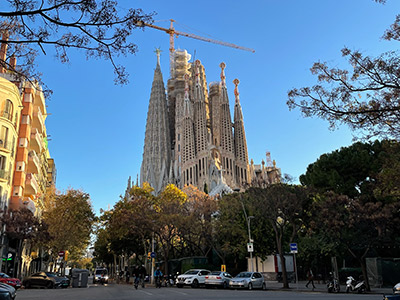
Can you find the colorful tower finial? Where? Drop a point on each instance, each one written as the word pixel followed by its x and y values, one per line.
pixel 236 83
pixel 222 66
pixel 158 52
pixel 186 77
pixel 197 64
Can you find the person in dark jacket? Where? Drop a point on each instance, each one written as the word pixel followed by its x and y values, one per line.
pixel 142 274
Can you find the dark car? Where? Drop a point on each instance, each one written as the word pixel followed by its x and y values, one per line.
pixel 39 279
pixel 61 281
pixel 14 282
pixel 7 292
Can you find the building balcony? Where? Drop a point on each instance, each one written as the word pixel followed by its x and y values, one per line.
pixel 38 121
pixel 33 162
pixel 4 175
pixel 36 141
pixel 39 101
pixel 5 145
pixel 29 204
pixel 31 185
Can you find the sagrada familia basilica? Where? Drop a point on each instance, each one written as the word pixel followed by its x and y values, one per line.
pixel 190 137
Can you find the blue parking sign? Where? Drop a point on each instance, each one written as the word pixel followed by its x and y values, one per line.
pixel 293 247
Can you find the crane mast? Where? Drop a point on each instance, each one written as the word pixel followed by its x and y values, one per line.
pixel 174 33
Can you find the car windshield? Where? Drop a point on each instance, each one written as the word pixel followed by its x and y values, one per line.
pixel 3 275
pixel 191 272
pixel 101 272
pixel 244 275
pixel 215 273
pixel 51 274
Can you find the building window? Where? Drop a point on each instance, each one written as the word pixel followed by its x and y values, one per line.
pixel 8 110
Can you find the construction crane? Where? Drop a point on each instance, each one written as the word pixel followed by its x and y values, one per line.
pixel 174 33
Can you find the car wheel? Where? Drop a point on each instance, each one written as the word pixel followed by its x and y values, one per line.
pixel 225 285
pixel 50 285
pixel 27 285
pixel 347 289
pixel 264 286
pixel 250 287
pixel 195 284
pixel 179 286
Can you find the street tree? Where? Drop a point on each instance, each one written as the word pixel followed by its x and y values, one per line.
pixel 70 221
pixel 22 225
pixel 230 231
pixel 197 228
pixel 365 96
pixel 284 207
pixel 98 28
pixel 356 225
pixel 168 218
pixel 362 170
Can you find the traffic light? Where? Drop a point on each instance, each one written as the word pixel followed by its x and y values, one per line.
pixel 66 255
pixel 149 255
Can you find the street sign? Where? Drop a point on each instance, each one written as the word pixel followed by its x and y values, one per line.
pixel 153 255
pixel 61 253
pixel 293 248
pixel 250 247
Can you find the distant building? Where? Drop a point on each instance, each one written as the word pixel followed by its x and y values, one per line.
pixel 190 137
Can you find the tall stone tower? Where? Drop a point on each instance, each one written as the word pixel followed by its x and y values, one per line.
pixel 190 139
pixel 157 145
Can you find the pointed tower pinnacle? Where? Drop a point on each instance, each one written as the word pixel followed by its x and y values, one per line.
pixel 158 52
pixel 157 144
pixel 236 83
pixel 222 66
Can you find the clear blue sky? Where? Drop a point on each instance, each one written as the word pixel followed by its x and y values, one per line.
pixel 97 128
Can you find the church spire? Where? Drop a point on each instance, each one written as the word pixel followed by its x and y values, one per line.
pixel 157 145
pixel 242 158
pixel 222 66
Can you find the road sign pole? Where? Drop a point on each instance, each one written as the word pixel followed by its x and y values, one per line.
pixel 295 267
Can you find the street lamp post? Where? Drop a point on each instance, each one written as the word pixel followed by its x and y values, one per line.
pixel 250 241
pixel 248 218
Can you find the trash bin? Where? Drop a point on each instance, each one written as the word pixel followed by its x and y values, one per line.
pixel 80 278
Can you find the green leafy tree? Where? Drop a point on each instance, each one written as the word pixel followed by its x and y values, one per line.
pixel 356 202
pixel 70 221
pixel 284 207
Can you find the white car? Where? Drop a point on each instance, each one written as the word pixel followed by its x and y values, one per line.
pixel 192 277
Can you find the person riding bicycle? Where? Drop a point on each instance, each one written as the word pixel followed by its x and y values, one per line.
pixel 142 274
pixel 136 271
pixel 157 277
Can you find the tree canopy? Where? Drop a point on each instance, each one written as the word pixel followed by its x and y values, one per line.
pixel 30 27
pixel 364 96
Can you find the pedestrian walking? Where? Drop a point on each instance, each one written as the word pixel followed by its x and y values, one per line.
pixel 310 278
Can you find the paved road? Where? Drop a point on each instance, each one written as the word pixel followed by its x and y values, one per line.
pixel 125 292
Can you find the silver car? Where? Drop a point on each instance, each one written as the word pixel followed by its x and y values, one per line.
pixel 218 279
pixel 248 280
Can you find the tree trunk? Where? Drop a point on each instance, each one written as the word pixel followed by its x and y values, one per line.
pixel 278 237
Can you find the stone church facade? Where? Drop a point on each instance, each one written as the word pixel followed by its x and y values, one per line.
pixel 190 137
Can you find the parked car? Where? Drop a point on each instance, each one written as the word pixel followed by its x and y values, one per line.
pixel 192 277
pixel 218 279
pixel 14 282
pixel 248 280
pixel 7 292
pixel 39 279
pixel 61 281
pixel 101 276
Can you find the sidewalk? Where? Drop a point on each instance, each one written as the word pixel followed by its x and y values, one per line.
pixel 319 287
